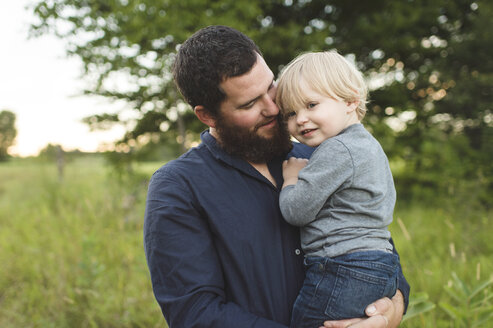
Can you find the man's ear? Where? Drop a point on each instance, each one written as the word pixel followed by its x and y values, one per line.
pixel 204 116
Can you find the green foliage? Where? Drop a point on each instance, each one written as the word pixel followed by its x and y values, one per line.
pixel 471 306
pixel 8 133
pixel 428 64
pixel 72 253
pixel 418 305
pixel 445 167
pixel 54 153
pixel 51 152
pixel 435 239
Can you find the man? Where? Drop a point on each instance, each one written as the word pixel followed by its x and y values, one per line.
pixel 218 250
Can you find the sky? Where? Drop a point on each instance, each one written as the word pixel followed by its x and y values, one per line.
pixel 42 86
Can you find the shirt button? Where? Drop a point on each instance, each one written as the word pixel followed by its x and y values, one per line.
pixel 297 251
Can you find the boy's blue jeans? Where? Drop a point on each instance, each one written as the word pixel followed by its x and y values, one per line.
pixel 341 287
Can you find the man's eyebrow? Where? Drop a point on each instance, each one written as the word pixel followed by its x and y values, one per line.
pixel 247 103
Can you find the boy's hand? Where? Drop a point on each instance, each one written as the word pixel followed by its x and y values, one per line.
pixel 291 168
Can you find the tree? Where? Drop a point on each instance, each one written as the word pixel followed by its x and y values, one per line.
pixel 8 133
pixel 428 64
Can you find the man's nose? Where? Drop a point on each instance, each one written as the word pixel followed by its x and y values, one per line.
pixel 270 107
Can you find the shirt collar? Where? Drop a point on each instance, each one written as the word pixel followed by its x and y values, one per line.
pixel 215 149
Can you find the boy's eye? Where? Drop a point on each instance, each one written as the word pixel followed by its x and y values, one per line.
pixel 291 114
pixel 311 105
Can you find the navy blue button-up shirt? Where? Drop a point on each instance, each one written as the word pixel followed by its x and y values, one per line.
pixel 218 250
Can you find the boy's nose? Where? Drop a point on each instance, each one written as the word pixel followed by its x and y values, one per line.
pixel 301 118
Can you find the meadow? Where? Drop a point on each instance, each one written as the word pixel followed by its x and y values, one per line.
pixel 71 251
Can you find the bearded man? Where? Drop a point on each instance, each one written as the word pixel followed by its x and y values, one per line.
pixel 218 250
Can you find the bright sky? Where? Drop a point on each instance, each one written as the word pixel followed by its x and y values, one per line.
pixel 41 86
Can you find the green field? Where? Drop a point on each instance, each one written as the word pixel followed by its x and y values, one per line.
pixel 71 251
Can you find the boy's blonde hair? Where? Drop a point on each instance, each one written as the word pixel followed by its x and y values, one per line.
pixel 327 73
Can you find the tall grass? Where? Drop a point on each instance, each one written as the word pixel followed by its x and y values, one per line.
pixel 439 242
pixel 71 251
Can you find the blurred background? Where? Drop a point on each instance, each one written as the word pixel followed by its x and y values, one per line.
pixel 88 111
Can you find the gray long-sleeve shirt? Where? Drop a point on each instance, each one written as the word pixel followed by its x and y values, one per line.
pixel 344 198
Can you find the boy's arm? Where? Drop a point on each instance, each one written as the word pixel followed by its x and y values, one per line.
pixel 329 167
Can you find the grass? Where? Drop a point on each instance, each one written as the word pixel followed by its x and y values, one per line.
pixel 71 250
pixel 436 243
pixel 72 255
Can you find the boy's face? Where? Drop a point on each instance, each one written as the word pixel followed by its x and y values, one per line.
pixel 323 117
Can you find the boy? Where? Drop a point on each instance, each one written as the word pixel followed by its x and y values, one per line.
pixel 344 198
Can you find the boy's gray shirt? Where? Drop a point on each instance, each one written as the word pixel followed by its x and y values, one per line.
pixel 344 198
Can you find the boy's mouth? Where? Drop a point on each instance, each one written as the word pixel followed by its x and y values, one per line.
pixel 306 131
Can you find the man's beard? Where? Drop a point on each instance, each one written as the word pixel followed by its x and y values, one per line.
pixel 251 147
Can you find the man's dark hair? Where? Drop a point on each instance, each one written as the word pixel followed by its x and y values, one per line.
pixel 206 59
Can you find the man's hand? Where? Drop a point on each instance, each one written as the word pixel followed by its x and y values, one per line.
pixel 291 168
pixel 384 313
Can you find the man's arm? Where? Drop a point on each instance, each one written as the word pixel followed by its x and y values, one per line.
pixel 185 270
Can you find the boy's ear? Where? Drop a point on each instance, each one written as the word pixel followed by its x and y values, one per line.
pixel 204 116
pixel 351 106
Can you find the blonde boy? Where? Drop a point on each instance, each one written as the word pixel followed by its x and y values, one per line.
pixel 343 199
